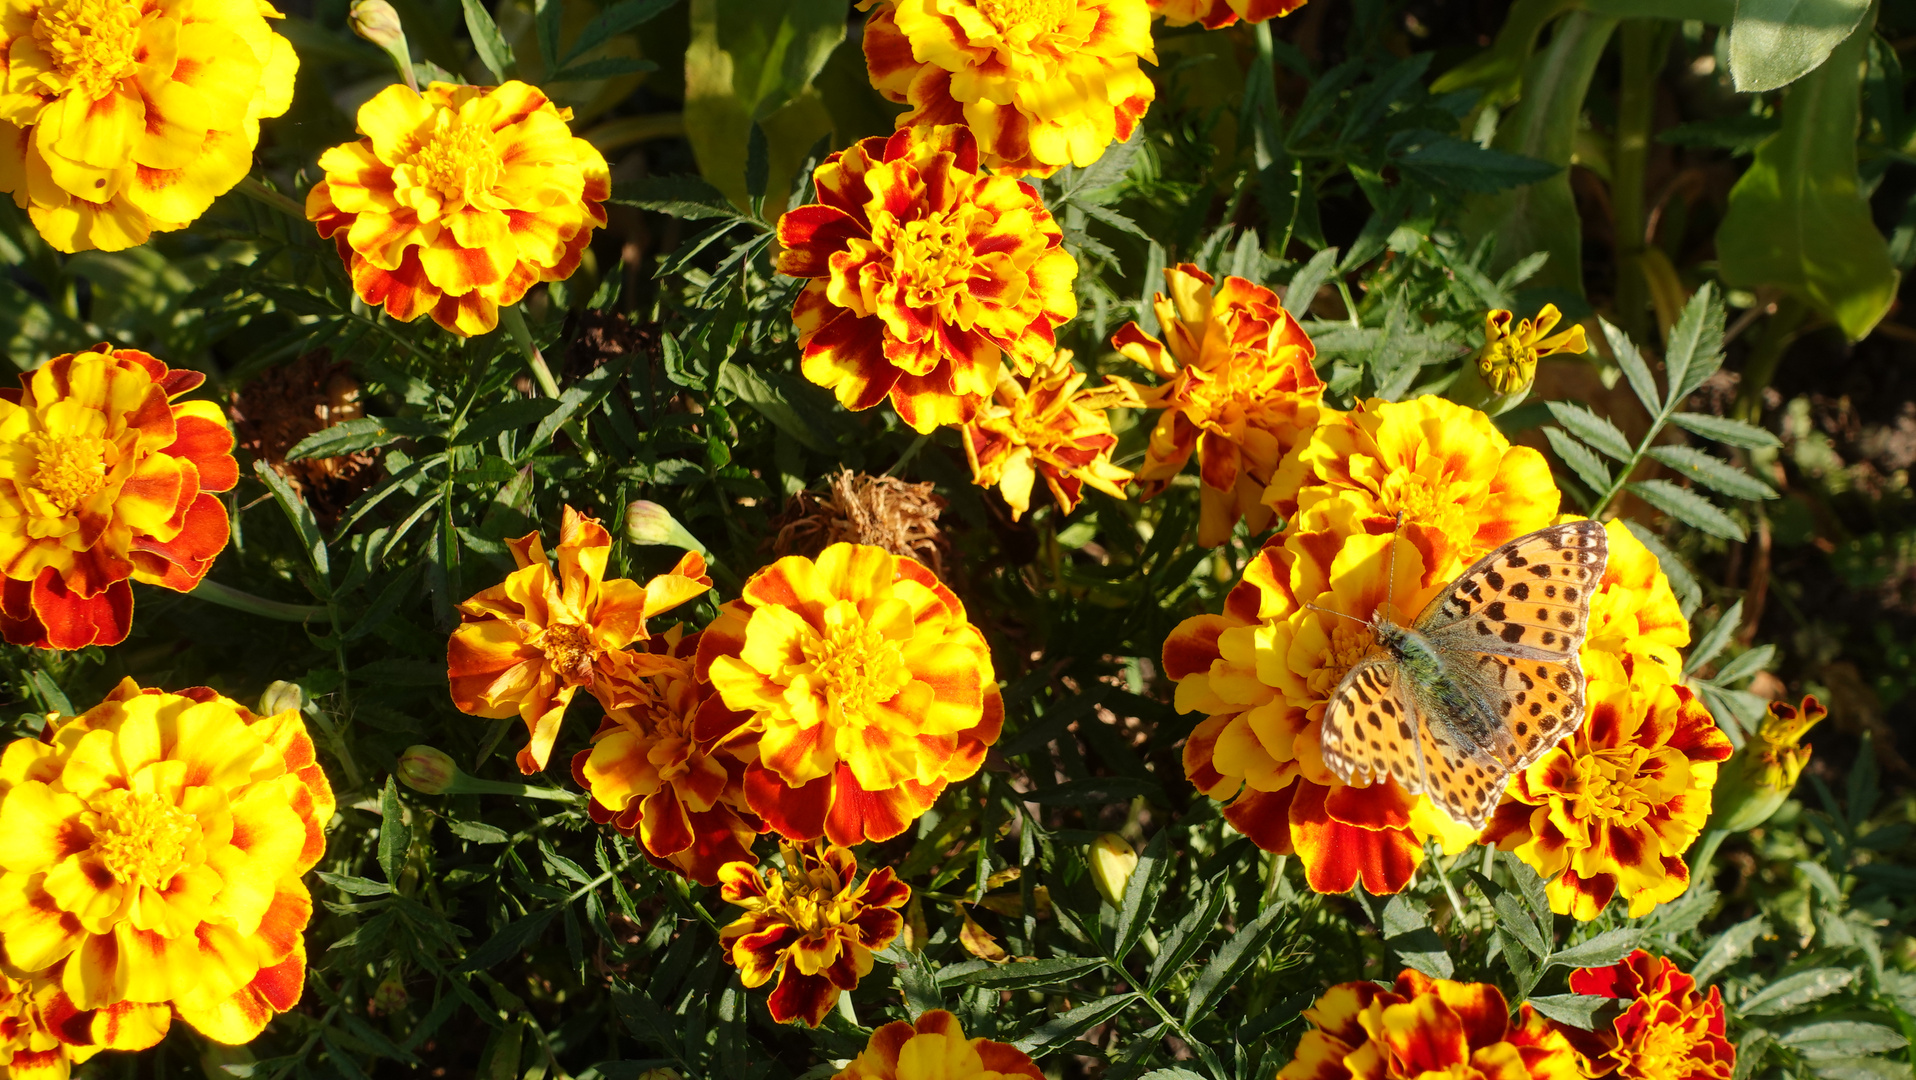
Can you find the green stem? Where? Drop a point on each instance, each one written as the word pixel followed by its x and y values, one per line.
pixel 1705 854
pixel 260 193
pixel 1636 107
pixel 515 323
pixel 472 785
pixel 214 593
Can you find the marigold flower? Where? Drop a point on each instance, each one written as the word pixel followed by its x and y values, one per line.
pixel 1668 1031
pixel 120 119
pixel 1044 83
pixel 1236 386
pixel 526 645
pixel 151 853
pixel 854 687
pixel 1634 614
pixel 1761 774
pixel 814 926
pixel 651 779
pixel 1045 426
pixel 1610 811
pixel 105 478
pixel 1425 1027
pixel 1507 363
pixel 934 1047
pixel 924 272
pixel 1217 14
pixel 459 200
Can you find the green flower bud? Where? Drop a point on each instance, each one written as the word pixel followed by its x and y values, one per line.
pixel 279 696
pixel 650 523
pixel 1754 783
pixel 377 22
pixel 1112 861
pixel 427 770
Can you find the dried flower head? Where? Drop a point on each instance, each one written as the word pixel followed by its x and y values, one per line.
pixel 881 511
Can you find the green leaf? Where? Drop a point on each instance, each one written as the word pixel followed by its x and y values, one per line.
pixel 1729 947
pixel 1746 666
pixel 615 20
pixel 477 831
pixel 1725 430
pixel 1713 643
pixel 298 513
pixel 1407 932
pixel 1067 1026
pixel 1859 1068
pixel 1185 939
pixel 1712 472
pixel 686 197
pixel 1682 581
pixel 798 409
pixel 582 395
pixel 1586 464
pixel 1794 991
pixel 1096 791
pixel 1688 507
pixel 361 434
pixel 486 39
pixel 1309 278
pixel 512 939
pixel 752 62
pixel 1511 916
pixel 1841 1038
pixel 354 886
pixel 1630 360
pixel 1606 948
pixel 1141 893
pixel 1020 975
pixel 1773 43
pixel 1798 220
pixel 1577 1010
pixel 1446 161
pixel 1696 344
pixel 505 416
pixel 1219 975
pixel 394 836
pixel 1599 432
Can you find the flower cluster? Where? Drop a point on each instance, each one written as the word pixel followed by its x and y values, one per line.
pixel 151 851
pixel 120 119
pixel 1046 426
pixel 1667 1031
pixel 934 1047
pixel 459 200
pixel 105 479
pixel 1425 1027
pixel 1043 83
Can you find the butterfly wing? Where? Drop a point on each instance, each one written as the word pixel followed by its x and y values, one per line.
pixel 1463 775
pixel 1529 598
pixel 1368 731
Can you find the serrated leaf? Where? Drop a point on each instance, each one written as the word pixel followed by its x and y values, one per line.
pixel 610 67
pixel 361 434
pixel 1712 472
pixel 1513 917
pixel 1309 278
pixel 1229 960
pixel 298 513
pixel 1065 1027
pixel 1746 665
pixel 1711 644
pixel 394 836
pixel 1141 893
pixel 686 197
pixel 1859 1068
pixel 505 416
pixel 1729 947
pixel 1599 432
pixel 487 40
pixel 1185 940
pixel 512 939
pixel 1577 1010
pixel 1695 344
pixel 1789 993
pixel 1097 791
pixel 477 831
pixel 1606 948
pixel 614 20
pixel 354 886
pixel 1682 581
pixel 1021 974
pixel 1582 461
pixel 1841 1038
pixel 1725 430
pixel 1689 508
pixel 1634 369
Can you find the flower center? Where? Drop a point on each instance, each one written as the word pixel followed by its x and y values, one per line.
pixel 1025 19
pixel 143 839
pixel 811 899
pixel 91 43
pixel 457 161
pixel 855 665
pixel 1609 782
pixel 1507 365
pixel 931 261
pixel 67 469
pixel 1350 643
pixel 569 649
pixel 1663 1049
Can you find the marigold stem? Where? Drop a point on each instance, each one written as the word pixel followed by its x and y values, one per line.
pixel 515 323
pixel 226 596
pixel 260 193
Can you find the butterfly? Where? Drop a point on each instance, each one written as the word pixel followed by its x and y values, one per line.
pixel 1482 684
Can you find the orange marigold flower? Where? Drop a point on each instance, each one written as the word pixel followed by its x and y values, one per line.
pixel 651 779
pixel 1217 14
pixel 1235 385
pixel 151 851
pixel 1426 1027
pixel 119 119
pixel 854 687
pixel 1668 1031
pixel 1762 773
pixel 1044 83
pixel 526 645
pixel 924 272
pixel 1046 426
pixel 814 926
pixel 105 478
pixel 459 200
pixel 934 1047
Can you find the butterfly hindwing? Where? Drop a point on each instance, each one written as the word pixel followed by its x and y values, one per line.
pixel 1529 598
pixel 1461 775
pixel 1367 733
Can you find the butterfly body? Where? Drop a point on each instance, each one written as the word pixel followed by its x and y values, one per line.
pixel 1485 681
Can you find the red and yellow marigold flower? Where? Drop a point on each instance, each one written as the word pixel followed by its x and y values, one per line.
pixel 29 1048
pixel 151 851
pixel 924 273
pixel 1217 14
pixel 1422 1028
pixel 1044 83
pixel 1045 426
pixel 1634 614
pixel 854 687
pixel 1763 771
pixel 1236 386
pixel 1668 1031
pixel 526 645
pixel 813 926
pixel 120 119
pixel 651 779
pixel 934 1047
pixel 105 479
pixel 459 200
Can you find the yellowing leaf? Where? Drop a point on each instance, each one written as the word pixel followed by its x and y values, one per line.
pixel 978 941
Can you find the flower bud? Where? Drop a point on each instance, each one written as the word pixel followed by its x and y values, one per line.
pixel 1757 779
pixel 279 696
pixel 427 770
pixel 1112 861
pixel 1498 378
pixel 650 523
pixel 390 996
pixel 377 22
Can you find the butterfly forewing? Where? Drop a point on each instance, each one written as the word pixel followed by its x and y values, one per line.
pixel 1367 729
pixel 1460 776
pixel 1528 598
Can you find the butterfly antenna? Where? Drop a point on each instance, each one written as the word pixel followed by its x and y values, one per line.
pixel 1339 614
pixel 1390 579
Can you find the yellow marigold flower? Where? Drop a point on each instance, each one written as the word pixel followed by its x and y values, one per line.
pixel 526 645
pixel 934 1047
pixel 1508 361
pixel 1045 426
pixel 1236 386
pixel 1424 1027
pixel 1216 14
pixel 813 927
pixel 1634 614
pixel 1761 774
pixel 459 200
pixel 1043 83
pixel 104 478
pixel 854 687
pixel 119 119
pixel 924 272
pixel 1667 1031
pixel 151 853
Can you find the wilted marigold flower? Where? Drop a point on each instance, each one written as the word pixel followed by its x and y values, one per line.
pixel 1217 14
pixel 1508 361
pixel 924 273
pixel 151 852
pixel 459 200
pixel 1236 387
pixel 854 687
pixel 934 1047
pixel 1667 1031
pixel 1044 83
pixel 1761 774
pixel 1425 1027
pixel 1046 426
pixel 105 478
pixel 120 119
pixel 813 926
pixel 526 645
pixel 651 779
